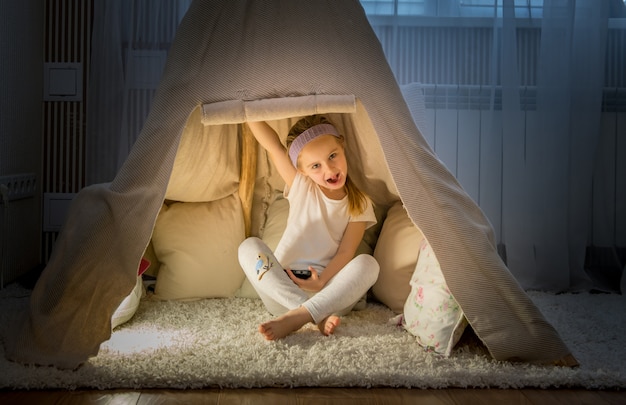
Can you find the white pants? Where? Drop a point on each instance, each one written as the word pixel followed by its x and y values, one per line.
pixel 280 294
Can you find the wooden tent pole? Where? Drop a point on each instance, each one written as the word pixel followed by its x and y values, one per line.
pixel 247 176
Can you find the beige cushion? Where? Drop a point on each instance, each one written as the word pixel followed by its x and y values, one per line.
pixel 370 237
pixel 276 222
pixel 396 252
pixel 196 244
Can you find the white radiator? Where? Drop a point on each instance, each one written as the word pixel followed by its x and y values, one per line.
pixel 452 63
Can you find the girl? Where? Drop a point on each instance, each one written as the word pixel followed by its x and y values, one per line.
pixel 313 275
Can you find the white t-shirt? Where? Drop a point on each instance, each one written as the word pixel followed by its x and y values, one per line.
pixel 315 226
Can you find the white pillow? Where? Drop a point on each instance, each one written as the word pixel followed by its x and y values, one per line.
pixel 431 313
pixel 129 305
pixel 196 244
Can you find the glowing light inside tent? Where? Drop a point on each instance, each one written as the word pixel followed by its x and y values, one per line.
pixel 142 341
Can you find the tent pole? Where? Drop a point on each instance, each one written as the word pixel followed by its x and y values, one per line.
pixel 247 176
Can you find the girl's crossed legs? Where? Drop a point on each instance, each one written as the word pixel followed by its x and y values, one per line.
pixel 295 307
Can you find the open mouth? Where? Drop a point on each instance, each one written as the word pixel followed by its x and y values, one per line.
pixel 333 180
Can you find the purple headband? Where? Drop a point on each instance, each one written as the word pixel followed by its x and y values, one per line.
pixel 306 137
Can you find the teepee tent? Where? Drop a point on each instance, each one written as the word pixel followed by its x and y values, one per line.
pixel 238 61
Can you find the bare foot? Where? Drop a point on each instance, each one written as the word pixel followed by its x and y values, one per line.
pixel 328 325
pixel 285 324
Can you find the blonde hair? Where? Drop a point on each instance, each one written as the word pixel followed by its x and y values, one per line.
pixel 357 200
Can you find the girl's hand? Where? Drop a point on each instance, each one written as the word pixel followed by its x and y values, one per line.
pixel 313 283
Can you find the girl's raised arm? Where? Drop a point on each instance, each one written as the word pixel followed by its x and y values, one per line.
pixel 268 138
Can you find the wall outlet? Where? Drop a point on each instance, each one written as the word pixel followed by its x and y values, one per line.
pixel 19 186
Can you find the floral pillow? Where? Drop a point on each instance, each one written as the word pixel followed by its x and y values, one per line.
pixel 430 312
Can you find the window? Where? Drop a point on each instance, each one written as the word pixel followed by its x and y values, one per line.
pixel 450 8
pixel 485 8
pixel 394 7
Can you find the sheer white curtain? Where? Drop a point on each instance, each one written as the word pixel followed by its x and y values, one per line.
pixel 548 168
pixel 535 165
pixel 534 173
pixel 129 46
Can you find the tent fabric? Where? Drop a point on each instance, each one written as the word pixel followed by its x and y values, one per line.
pixel 229 54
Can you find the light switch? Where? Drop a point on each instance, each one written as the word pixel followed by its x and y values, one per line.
pixel 63 82
pixel 55 209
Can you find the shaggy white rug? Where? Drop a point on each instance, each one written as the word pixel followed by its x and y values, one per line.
pixel 215 343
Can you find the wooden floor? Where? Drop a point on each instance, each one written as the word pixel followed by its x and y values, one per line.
pixel 342 396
